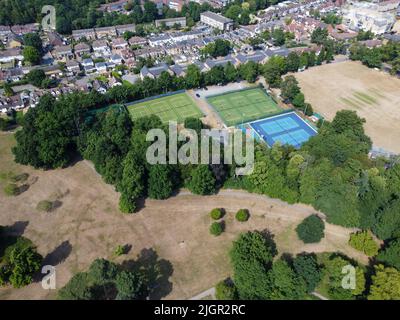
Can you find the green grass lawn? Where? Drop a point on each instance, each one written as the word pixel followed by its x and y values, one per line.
pixel 176 107
pixel 243 106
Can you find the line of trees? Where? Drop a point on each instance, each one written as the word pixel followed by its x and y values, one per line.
pixel 374 57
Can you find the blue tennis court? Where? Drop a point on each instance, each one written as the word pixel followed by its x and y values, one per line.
pixel 287 128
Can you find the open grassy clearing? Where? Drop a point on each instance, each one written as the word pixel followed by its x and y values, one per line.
pixel 175 107
pixel 243 106
pixel 350 85
pixel 88 225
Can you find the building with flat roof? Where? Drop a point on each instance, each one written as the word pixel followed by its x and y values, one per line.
pixel 181 21
pixel 216 21
pixel 368 16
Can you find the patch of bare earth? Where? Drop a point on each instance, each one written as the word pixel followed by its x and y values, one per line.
pixel 88 225
pixel 375 96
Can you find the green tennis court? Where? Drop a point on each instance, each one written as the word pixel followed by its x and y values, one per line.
pixel 243 106
pixel 176 107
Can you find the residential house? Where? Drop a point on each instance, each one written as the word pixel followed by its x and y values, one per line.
pixel 11 55
pixel 155 52
pixel 119 43
pixel 256 56
pixel 210 63
pixel 154 72
pixel 178 70
pixel 24 29
pixel 5 31
pixel 160 40
pixel 105 32
pixel 81 49
pixel 72 66
pixel 55 39
pixel 99 86
pixel 121 29
pixel 117 6
pixel 101 67
pixel 101 48
pixel 88 34
pixel 137 41
pixel 116 59
pixel 88 65
pixel 63 52
pixel 14 41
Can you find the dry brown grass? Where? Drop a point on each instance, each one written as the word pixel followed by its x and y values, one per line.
pixel 177 228
pixel 350 85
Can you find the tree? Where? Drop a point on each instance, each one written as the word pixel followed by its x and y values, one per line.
pixel 289 88
pixel 31 55
pixel 225 290
pixel 8 90
pixel 216 214
pixel 160 181
pixel 36 77
pixel 77 288
pixel 319 35
pixel 22 261
pixel 298 101
pixel 306 266
pixel 202 181
pixel 387 221
pixel 292 62
pixel 364 242
pixel 242 215
pixel 251 258
pixel 285 283
pixel 194 124
pixel 130 286
pixel 390 255
pixel 193 77
pixel 132 183
pixel 218 48
pixel 385 284
pixel 216 228
pixel 278 36
pixel 230 71
pixel 311 229
pixel 249 71
pixel 33 40
pixel 333 270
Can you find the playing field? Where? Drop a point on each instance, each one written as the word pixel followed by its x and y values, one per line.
pixel 287 128
pixel 243 106
pixel 176 107
pixel 374 95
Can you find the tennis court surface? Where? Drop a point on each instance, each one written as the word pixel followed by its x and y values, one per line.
pixel 287 128
pixel 238 107
pixel 174 107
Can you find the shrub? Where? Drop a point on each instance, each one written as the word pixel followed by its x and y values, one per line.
pixel 216 228
pixel 390 255
pixel 20 177
pixel 364 242
pixel 311 229
pixel 44 205
pixel 242 215
pixel 119 250
pixel 216 214
pixel 225 290
pixel 11 189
